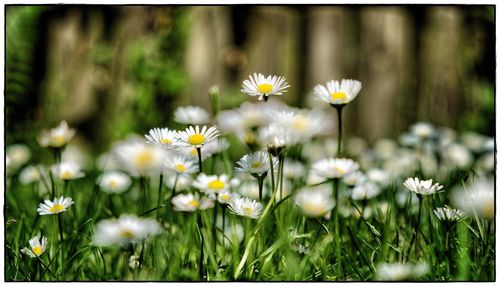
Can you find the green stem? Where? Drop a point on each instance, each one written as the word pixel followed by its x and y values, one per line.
pixel 338 253
pixel 59 222
pixel 158 202
pixel 272 171
pixel 281 167
pixel 202 254
pixel 200 165
pixel 414 238
pixel 339 117
pixel 261 183
pixel 142 184
pixel 214 228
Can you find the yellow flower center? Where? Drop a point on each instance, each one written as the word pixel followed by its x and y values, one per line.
pixel 265 88
pixel 225 197
pixel 166 141
pixel 113 184
pixel 194 203
pixel 256 165
pixel 196 139
pixel 194 152
pixel 66 175
pixel 249 137
pixel 299 123
pixel 37 250
pixel 338 95
pixel 144 158
pixel 247 210
pixel 339 170
pixel 56 208
pixel 180 168
pixel 58 140
pixel 313 209
pixel 216 185
pixel 127 234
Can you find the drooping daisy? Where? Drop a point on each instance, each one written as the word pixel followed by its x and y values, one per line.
pixel 448 214
pixel 246 207
pixel 29 174
pixel 161 136
pixel 212 184
pixel 138 158
pixel 333 168
pixel 190 203
pixel 421 187
pixel 124 230
pixel 338 93
pixel 274 138
pixel 181 165
pixel 194 137
pixel 56 137
pixel 263 87
pixel 59 205
pixel 114 182
pixel 36 248
pixel 256 164
pixel 193 115
pixel 314 202
pixel 67 171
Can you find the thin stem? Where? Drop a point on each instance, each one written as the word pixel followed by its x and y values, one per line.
pixel 338 253
pixel 272 171
pixel 142 184
pixel 202 254
pixel 59 222
pixel 281 167
pixel 260 179
pixel 200 165
pixel 214 228
pixel 158 212
pixel 414 238
pixel 223 223
pixel 339 117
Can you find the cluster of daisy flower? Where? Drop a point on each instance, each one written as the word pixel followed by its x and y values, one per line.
pixel 289 155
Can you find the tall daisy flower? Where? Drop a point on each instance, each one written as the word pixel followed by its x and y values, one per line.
pixel 365 191
pixel 193 115
pixel 114 182
pixel 138 158
pixel 59 205
pixel 196 137
pixel 338 94
pixel 190 203
pixel 67 171
pixel 315 202
pixel 422 187
pixel 256 164
pixel 246 207
pixel 36 248
pixel 448 214
pixel 161 136
pixel 181 165
pixel 30 174
pixel 261 86
pixel 212 184
pixel 125 230
pixel 331 168
pixel 56 137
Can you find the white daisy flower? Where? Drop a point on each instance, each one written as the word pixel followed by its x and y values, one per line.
pixel 354 178
pixel 421 187
pixel 478 197
pixel 193 115
pixel 182 183
pixel 226 197
pixel 18 154
pixel 256 164
pixel 379 176
pixel 59 205
pixel 448 214
pixel 114 182
pixel 333 168
pixel 67 171
pixel 190 203
pixel 36 248
pixel 194 137
pixel 338 93
pixel 29 174
pixel 457 155
pixel 400 271
pixel 300 126
pixel 315 202
pixel 247 117
pixel 56 137
pixel 161 136
pixel 181 164
pixel 422 130
pixel 138 158
pixel 124 230
pixel 246 207
pixel 212 184
pixel 263 87
pixel 365 191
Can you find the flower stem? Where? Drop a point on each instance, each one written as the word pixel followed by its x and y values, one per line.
pixel 260 179
pixel 272 171
pixel 339 143
pixel 59 222
pixel 200 165
pixel 142 184
pixel 338 254
pixel 158 212
pixel 414 238
pixel 281 167
pixel 202 254
pixel 214 229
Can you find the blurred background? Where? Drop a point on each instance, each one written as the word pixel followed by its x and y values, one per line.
pixel 112 70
